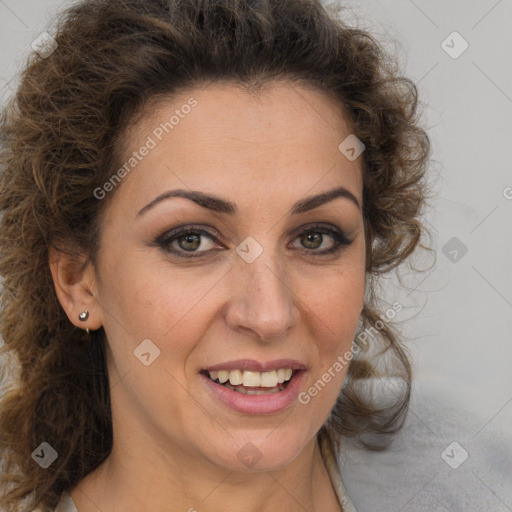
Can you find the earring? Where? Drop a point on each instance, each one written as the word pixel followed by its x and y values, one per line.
pixel 83 316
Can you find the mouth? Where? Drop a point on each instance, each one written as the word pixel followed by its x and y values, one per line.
pixel 252 382
pixel 251 387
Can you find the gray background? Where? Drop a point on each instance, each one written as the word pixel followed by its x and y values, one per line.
pixel 457 316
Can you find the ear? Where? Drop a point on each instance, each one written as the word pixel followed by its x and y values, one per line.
pixel 75 284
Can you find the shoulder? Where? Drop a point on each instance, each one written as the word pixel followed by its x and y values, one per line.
pixel 66 504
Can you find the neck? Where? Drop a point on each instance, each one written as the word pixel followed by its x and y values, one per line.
pixel 150 479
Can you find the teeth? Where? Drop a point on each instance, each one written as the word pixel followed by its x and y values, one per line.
pixel 223 376
pixel 253 379
pixel 251 391
pixel 235 377
pixel 269 379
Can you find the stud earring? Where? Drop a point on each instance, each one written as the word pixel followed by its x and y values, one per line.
pixel 83 316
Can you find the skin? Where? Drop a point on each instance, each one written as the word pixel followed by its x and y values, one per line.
pixel 174 443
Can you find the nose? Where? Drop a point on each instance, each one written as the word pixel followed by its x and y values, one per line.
pixel 263 301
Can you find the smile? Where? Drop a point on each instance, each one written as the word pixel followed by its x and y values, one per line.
pixel 254 392
pixel 252 382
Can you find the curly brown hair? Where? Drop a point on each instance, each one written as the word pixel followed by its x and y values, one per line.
pixel 59 139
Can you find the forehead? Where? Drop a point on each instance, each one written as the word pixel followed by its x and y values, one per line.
pixel 220 136
pixel 279 112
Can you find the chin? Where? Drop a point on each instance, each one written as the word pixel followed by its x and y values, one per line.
pixel 270 449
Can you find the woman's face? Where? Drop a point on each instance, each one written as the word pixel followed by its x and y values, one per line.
pixel 259 289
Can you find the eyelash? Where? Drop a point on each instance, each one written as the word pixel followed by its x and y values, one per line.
pixel 165 240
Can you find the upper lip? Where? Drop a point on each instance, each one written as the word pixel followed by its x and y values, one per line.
pixel 257 366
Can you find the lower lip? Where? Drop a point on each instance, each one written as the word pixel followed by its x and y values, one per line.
pixel 257 404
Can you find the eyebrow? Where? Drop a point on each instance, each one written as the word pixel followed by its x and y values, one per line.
pixel 220 205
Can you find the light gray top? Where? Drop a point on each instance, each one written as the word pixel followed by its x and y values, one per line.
pixel 67 504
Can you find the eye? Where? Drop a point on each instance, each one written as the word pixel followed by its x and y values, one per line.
pixel 186 242
pixel 313 238
pixel 190 241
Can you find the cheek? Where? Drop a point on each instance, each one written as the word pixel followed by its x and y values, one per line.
pixel 148 300
pixel 334 311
